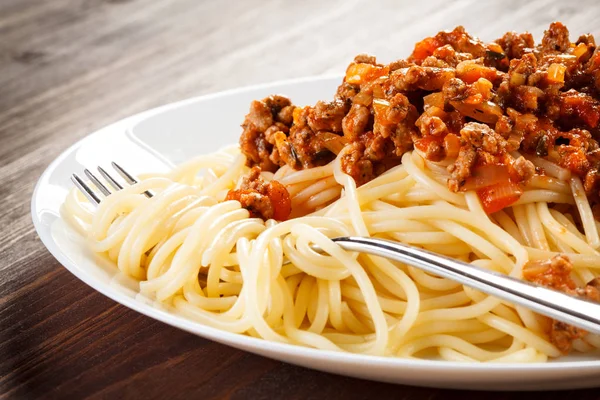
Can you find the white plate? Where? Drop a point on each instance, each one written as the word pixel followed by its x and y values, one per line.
pixel 155 139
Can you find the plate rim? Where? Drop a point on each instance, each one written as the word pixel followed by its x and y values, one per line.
pixel 235 339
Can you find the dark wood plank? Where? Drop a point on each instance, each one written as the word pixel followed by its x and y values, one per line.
pixel 68 67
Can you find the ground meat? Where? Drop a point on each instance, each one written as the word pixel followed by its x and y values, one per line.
pixel 555 273
pixel 388 114
pixel 376 147
pixel 504 127
pixel 579 109
pixel 572 149
pixel 258 205
pixel 419 77
pixel 515 45
pixel 455 89
pixel 460 170
pixel 562 335
pixel 432 61
pixel 483 137
pixel 405 131
pixel 462 42
pixel 327 116
pixel 354 163
pixel 524 168
pixel 306 149
pixel 266 117
pixel 433 149
pixel 591 182
pixel 355 122
pixel 365 59
pixel 451 57
pixel 266 200
pixel 271 131
pixel 521 68
pixel 286 115
pixel 573 159
pixel 346 92
pixel 458 39
pixel 556 38
pixel 432 125
pixel 398 64
pixel 454 99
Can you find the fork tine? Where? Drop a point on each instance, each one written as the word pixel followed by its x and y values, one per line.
pixel 97 182
pixel 116 185
pixel 128 177
pixel 85 189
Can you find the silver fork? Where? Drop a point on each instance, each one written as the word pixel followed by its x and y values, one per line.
pixel 558 305
pixel 91 195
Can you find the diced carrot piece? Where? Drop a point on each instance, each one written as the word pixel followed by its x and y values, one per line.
pixel 362 73
pixel 496 197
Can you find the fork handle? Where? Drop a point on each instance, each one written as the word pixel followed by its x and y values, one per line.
pixel 552 303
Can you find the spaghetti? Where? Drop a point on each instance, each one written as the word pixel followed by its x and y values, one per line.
pixel 221 268
pixel 487 153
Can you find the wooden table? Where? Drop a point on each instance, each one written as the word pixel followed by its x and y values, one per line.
pixel 69 67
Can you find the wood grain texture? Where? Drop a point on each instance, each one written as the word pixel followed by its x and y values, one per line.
pixel 69 67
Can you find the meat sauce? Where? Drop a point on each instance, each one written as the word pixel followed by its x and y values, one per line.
pixel 454 98
pixel 266 200
pixel 555 273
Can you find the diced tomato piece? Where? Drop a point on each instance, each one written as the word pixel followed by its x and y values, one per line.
pixel 276 193
pixel 572 159
pixel 582 106
pixel 280 198
pixel 496 197
pixel 424 143
pixel 432 146
pixel 233 194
